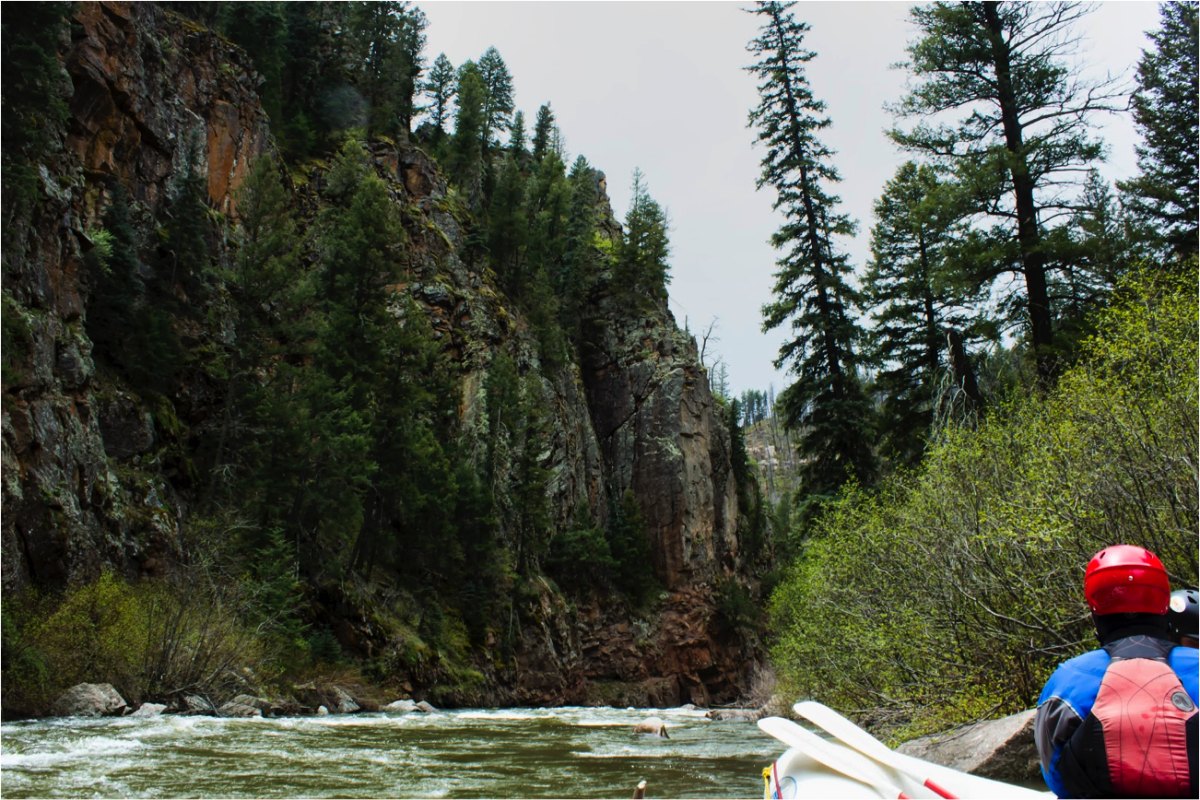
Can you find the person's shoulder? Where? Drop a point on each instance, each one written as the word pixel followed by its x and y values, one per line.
pixel 1093 662
pixel 1185 658
pixel 1077 678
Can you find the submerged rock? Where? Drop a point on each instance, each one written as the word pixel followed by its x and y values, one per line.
pixel 401 707
pixel 149 710
pixel 1000 749
pixel 653 726
pixel 232 709
pixel 90 700
pixel 738 714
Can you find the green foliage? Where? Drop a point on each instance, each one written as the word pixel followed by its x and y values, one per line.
pixel 441 89
pixel 827 401
pixel 735 606
pixel 1002 67
pixel 498 96
pixel 150 641
pixel 132 333
pixel 14 324
pixel 641 273
pixel 580 556
pixel 918 303
pixel 34 105
pixel 1167 112
pixel 464 162
pixel 954 590
pixel 543 130
pixel 629 543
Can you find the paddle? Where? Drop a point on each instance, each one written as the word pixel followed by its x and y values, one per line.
pixel 846 731
pixel 849 764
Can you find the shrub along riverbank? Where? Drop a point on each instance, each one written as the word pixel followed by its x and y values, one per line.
pixel 952 592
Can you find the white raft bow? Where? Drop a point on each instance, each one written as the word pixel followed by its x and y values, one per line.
pixel 853 763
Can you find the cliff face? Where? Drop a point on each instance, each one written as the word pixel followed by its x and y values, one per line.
pixel 89 482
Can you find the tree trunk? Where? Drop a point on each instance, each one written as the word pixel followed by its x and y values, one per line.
pixel 1033 262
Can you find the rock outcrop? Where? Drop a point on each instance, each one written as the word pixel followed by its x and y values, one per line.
pixel 1001 749
pixel 90 700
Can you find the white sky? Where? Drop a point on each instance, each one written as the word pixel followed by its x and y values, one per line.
pixel 660 86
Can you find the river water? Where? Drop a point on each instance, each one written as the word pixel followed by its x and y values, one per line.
pixel 564 752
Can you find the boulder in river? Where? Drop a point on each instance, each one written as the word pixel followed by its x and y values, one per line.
pixel 343 703
pixel 195 704
pixel 735 714
pixel 250 700
pixel 232 709
pixel 322 711
pixel 90 700
pixel 401 707
pixel 652 725
pixel 1000 749
pixel 150 710
pixel 426 708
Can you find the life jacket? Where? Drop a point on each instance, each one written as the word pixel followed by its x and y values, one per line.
pixel 1139 739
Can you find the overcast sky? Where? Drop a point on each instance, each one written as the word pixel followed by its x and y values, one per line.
pixel 660 86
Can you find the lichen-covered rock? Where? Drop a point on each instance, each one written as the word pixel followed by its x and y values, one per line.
pixel 232 709
pixel 343 702
pixel 1000 749
pixel 150 710
pixel 90 700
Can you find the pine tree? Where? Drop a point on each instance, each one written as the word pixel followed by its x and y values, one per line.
pixel 508 228
pixel 441 89
pixel 376 28
pixel 33 101
pixel 642 271
pixel 826 402
pixel 411 64
pixel 1026 133
pixel 543 129
pixel 916 305
pixel 465 161
pixel 1165 108
pixel 498 96
pixel 578 261
pixel 516 136
pixel 260 28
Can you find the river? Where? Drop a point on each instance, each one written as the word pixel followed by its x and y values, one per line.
pixel 563 752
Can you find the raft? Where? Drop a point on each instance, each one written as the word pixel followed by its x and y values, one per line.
pixel 854 764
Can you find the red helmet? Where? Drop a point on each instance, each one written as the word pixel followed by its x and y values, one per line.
pixel 1126 579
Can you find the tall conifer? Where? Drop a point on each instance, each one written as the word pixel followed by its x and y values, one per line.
pixel 1166 110
pixel 826 402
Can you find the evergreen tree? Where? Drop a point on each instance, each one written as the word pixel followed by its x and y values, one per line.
pixel 388 39
pixel 1026 134
pixel 826 402
pixel 265 271
pixel 33 102
pixel 543 129
pixel 916 305
pixel 578 263
pixel 260 28
pixel 642 271
pixel 516 136
pixel 465 161
pixel 508 228
pixel 441 89
pixel 498 96
pixel 1165 108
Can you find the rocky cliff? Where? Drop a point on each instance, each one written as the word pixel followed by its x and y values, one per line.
pixel 93 476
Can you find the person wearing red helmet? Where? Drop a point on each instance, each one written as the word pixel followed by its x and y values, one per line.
pixel 1121 721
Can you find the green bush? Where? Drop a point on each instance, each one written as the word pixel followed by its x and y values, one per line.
pixel 150 641
pixel 954 591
